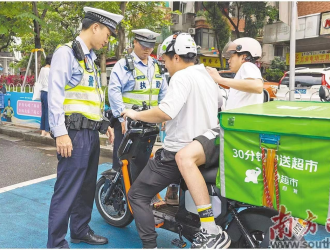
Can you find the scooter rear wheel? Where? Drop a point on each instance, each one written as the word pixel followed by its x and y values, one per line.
pixel 115 211
pixel 257 222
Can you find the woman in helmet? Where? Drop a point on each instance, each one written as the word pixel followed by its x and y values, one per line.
pixel 247 86
pixel 190 108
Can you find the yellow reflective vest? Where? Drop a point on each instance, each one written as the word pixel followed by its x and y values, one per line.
pixel 87 97
pixel 143 90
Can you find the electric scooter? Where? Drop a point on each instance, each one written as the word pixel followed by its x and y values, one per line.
pixel 247 225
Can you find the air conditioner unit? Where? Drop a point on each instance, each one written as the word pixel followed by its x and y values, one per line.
pixel 192 31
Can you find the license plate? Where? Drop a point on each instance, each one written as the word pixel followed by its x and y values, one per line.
pixel 299 227
pixel 301 91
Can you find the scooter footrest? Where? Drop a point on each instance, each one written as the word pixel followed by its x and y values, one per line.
pixel 179 243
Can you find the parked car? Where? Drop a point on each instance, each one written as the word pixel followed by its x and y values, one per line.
pixel 307 84
pixel 270 88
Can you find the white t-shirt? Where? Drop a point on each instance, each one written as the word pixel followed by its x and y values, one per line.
pixel 43 78
pixel 237 98
pixel 192 101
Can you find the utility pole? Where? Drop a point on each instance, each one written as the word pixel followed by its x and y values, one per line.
pixel 292 50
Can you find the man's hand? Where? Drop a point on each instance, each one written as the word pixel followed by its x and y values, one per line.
pixel 123 127
pixel 129 113
pixel 214 74
pixel 110 135
pixel 64 145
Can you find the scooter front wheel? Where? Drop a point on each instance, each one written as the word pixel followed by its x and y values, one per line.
pixel 115 210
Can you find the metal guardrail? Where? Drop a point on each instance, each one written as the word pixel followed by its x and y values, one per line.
pixel 313 94
pixel 294 93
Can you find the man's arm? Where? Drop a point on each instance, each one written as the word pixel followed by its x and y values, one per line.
pixel 250 85
pixel 163 89
pixel 59 75
pixel 155 115
pixel 115 91
pixel 246 85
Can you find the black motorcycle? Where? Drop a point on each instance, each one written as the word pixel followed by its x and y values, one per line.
pixel 247 225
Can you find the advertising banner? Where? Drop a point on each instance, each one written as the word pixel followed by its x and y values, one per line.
pixel 313 57
pixel 20 109
pixel 212 61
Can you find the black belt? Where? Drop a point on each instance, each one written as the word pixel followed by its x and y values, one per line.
pixel 83 123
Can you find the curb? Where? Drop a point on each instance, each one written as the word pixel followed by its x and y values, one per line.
pixel 32 134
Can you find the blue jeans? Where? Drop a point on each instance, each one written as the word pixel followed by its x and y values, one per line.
pixel 44 125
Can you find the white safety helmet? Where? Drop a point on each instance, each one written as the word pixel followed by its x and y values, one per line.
pixel 244 44
pixel 181 43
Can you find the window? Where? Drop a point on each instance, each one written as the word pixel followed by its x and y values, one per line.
pixel 183 7
pixel 176 6
pixel 304 79
pixel 278 51
pixel 207 38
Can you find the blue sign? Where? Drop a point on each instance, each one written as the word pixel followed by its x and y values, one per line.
pixel 20 109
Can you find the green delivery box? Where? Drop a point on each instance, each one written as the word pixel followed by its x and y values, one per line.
pixel 302 132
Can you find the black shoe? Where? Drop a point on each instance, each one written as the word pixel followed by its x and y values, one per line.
pixel 91 238
pixel 214 241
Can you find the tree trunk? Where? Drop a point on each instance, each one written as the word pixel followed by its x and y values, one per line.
pixel 37 40
pixel 121 34
pixel 103 65
pixel 219 49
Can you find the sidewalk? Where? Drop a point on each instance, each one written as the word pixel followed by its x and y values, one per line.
pixel 33 134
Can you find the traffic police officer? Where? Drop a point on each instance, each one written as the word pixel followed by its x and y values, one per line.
pixel 134 79
pixel 75 117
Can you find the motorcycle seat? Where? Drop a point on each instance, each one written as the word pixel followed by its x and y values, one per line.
pixel 209 173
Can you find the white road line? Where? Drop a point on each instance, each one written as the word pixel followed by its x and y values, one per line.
pixel 27 183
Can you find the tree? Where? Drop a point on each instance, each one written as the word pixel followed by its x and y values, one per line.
pixel 254 14
pixel 219 25
pixel 48 24
pixel 12 24
pixel 138 15
pixel 276 70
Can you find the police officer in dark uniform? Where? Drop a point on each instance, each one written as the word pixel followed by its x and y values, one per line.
pixel 76 104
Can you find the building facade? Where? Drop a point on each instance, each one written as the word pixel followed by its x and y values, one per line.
pixel 312 36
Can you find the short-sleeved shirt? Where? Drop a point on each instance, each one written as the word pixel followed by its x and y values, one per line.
pixel 237 98
pixel 192 101
pixel 43 78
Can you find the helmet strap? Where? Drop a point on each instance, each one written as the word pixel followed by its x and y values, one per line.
pixel 172 43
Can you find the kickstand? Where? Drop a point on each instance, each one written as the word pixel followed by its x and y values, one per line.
pixel 179 242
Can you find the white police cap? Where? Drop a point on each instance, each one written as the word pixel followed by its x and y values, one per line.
pixel 101 16
pixel 146 38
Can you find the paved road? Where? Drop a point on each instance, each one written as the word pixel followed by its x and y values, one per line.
pixel 24 210
pixel 23 160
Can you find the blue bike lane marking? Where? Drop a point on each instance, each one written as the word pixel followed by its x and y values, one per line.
pixel 24 221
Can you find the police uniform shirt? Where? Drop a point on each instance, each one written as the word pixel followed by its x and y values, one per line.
pixel 122 80
pixel 64 70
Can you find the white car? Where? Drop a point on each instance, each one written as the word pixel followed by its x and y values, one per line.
pixel 307 84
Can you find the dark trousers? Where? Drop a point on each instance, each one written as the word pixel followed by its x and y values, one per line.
pixel 157 175
pixel 44 124
pixel 118 138
pixel 74 189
